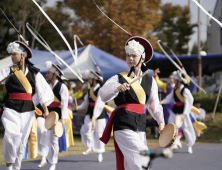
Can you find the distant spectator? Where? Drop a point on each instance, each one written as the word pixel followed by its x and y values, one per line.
pixel 192 87
pixel 202 114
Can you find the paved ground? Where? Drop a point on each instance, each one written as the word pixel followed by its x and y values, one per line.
pixel 205 157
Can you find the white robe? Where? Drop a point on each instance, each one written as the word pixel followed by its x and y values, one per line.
pixel 130 142
pixel 18 125
pixel 187 126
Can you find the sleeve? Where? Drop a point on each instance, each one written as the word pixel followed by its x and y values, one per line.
pixel 78 94
pixel 169 98
pixel 43 90
pixel 64 93
pixel 188 101
pixel 153 104
pixel 85 103
pixel 109 90
pixel 4 72
pixel 202 114
pixel 99 106
pixel 162 85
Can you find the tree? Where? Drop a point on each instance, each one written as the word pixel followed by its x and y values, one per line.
pixel 137 17
pixel 174 28
pixel 203 47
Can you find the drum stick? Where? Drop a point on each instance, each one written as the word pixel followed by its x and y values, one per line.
pixel 6 77
pixel 76 102
pixel 160 97
pixel 215 107
pixel 137 78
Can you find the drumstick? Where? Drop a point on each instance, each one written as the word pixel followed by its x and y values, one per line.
pixel 160 97
pixel 76 102
pixel 137 78
pixel 6 77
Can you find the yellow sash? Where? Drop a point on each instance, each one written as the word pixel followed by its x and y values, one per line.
pixel 140 93
pixel 179 96
pixel 23 79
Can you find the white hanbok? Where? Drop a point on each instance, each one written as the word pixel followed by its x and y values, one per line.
pixel 18 125
pixel 187 126
pixel 131 142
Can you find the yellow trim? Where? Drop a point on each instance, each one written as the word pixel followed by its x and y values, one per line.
pixel 188 80
pixel 92 94
pixel 180 97
pixel 23 79
pixel 140 93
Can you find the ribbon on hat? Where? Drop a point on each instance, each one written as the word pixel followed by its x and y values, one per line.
pixel 76 51
pixel 178 67
pixel 23 39
pixel 49 49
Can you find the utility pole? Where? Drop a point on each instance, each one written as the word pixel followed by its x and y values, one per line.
pixel 189 44
pixel 199 60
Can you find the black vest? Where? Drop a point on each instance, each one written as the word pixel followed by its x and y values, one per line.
pixel 124 119
pixel 56 90
pixel 178 109
pixel 13 85
pixel 91 108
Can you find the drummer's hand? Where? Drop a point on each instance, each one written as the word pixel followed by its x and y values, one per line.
pixel 157 71
pixel 93 122
pixel 183 116
pixel 46 114
pixel 77 108
pixel 161 126
pixel 123 87
pixel 63 121
pixel 161 103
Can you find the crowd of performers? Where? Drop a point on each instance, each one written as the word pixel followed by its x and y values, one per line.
pixel 30 98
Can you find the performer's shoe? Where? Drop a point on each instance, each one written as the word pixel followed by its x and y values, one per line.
pixel 9 168
pixel 179 144
pixel 173 147
pixel 100 157
pixel 43 162
pixel 190 150
pixel 52 167
pixel 87 151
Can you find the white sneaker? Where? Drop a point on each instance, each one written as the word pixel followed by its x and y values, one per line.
pixel 179 144
pixel 52 167
pixel 87 151
pixel 9 168
pixel 100 157
pixel 43 162
pixel 190 150
pixel 173 147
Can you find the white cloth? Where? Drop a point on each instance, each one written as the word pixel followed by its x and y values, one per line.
pixel 201 116
pixel 187 126
pixel 130 144
pixel 16 48
pixel 86 132
pixel 64 93
pixel 17 129
pixel 109 91
pixel 135 47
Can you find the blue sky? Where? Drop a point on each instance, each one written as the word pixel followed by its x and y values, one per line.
pixel 207 4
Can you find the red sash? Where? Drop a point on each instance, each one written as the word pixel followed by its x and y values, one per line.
pixel 136 108
pixel 55 104
pixel 179 104
pixel 20 96
pixel 92 104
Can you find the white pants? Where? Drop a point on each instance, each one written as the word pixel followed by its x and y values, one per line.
pixel 99 146
pixel 86 132
pixel 17 129
pixel 48 144
pixel 188 129
pixel 130 144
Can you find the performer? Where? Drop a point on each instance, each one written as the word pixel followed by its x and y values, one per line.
pixel 184 101
pixel 89 101
pixel 48 143
pixel 19 109
pixel 129 120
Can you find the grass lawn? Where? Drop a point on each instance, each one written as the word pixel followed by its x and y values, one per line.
pixel 211 135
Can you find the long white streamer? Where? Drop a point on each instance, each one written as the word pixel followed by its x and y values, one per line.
pixel 57 29
pixel 57 57
pixel 207 12
pixel 178 67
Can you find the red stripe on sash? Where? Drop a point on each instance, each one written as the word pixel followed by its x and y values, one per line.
pixel 179 104
pixel 55 104
pixel 92 104
pixel 20 96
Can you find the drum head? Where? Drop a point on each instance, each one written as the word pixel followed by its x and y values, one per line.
pixel 178 121
pixel 167 135
pixel 58 129
pixel 51 120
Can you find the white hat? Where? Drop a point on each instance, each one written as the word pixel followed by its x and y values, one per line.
pixel 178 76
pixel 19 47
pixel 93 75
pixel 54 69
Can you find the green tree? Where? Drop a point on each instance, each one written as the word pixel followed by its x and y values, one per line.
pixel 137 17
pixel 174 28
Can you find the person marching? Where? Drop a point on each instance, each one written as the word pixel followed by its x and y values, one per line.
pixel 24 81
pixel 184 101
pixel 48 143
pixel 128 120
pixel 89 101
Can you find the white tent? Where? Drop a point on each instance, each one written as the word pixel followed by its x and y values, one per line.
pixel 5 62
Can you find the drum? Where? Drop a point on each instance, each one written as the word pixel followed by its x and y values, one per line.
pixel 51 120
pixel 178 121
pixel 168 135
pixel 58 130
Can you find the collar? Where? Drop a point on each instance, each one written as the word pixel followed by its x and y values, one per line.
pixel 26 70
pixel 181 87
pixel 54 84
pixel 96 87
pixel 133 74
